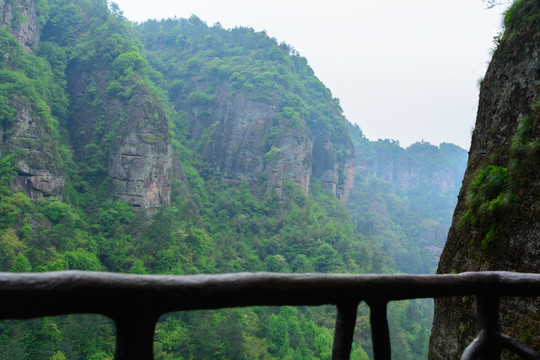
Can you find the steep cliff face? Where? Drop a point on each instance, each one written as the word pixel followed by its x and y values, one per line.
pixel 290 158
pixel 21 18
pixel 334 164
pixel 234 134
pixel 140 158
pixel 263 117
pixel 246 138
pixel 39 170
pixel 29 129
pixel 132 129
pixel 496 222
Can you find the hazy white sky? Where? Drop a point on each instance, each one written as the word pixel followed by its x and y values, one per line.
pixel 404 70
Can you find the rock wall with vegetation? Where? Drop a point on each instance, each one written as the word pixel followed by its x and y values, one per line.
pixel 24 19
pixel 496 222
pixel 255 108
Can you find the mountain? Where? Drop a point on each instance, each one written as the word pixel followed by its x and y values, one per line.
pixel 496 222
pixel 253 107
pixel 173 147
pixel 404 197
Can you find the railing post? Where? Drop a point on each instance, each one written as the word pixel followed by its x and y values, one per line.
pixel 380 335
pixel 343 335
pixel 487 322
pixel 135 337
pixel 487 344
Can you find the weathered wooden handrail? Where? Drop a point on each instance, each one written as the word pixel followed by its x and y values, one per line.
pixel 135 302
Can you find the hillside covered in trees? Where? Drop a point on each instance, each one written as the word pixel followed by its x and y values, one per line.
pixel 174 147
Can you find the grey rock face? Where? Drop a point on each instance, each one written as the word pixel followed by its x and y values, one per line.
pixel 336 175
pixel 244 139
pixel 20 18
pixel 140 159
pixel 40 173
pixel 290 159
pixel 241 128
pixel 236 137
pixel 407 173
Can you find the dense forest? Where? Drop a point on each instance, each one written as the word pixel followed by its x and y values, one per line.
pixel 174 147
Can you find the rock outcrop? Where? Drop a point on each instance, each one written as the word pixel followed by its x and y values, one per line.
pixel 335 174
pixel 133 131
pixel 496 223
pixel 245 139
pixel 290 158
pixel 40 173
pixel 140 158
pixel 21 20
pixel 238 127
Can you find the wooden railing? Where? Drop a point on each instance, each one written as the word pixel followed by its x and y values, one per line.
pixel 135 302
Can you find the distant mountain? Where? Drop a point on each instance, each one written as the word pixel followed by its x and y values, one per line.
pixel 405 197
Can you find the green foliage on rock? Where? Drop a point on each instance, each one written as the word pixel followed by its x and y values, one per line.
pixel 493 194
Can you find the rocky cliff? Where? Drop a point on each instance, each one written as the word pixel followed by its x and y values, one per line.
pixel 246 138
pixel 496 222
pixel 29 128
pixel 40 172
pixel 132 129
pixel 21 18
pixel 140 158
pixel 264 117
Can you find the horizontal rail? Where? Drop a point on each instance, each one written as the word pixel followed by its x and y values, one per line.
pixel 135 302
pixel 70 292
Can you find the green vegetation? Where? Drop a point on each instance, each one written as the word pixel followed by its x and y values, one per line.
pixel 493 193
pixel 517 11
pixel 488 198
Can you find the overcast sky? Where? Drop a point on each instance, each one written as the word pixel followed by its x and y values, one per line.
pixel 403 70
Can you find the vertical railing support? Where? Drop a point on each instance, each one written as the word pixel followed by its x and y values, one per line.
pixel 343 335
pixel 487 322
pixel 380 335
pixel 135 337
pixel 487 344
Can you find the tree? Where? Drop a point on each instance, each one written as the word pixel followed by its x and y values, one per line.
pixel 493 3
pixel 59 356
pixel 21 264
pixel 116 9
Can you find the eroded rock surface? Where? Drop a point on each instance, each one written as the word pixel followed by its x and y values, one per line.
pixel 20 19
pixel 140 159
pixel 39 166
